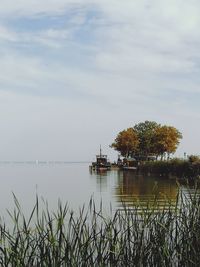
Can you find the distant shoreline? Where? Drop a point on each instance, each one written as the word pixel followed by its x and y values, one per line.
pixel 43 162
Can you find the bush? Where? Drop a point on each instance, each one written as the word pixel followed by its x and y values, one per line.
pixel 181 168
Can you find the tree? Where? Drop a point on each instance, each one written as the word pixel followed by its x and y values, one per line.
pixel 166 140
pixel 146 135
pixel 147 139
pixel 126 142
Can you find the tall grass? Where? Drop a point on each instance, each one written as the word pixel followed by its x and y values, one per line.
pixel 137 236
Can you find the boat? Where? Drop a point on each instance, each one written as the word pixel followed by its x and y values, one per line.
pixel 127 168
pixel 129 164
pixel 102 163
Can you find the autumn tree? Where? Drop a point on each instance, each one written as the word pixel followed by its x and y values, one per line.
pixel 147 139
pixel 166 140
pixel 126 142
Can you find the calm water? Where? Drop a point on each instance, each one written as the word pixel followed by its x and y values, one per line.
pixel 74 184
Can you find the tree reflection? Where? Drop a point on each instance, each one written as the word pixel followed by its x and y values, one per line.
pixel 133 187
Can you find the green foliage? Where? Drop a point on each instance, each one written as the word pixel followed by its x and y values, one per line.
pixel 146 134
pixel 136 236
pixel 177 167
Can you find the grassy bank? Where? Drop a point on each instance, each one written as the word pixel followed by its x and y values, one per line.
pixel 178 167
pixel 133 237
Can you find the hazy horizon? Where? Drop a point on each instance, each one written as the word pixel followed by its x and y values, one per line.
pixel 74 73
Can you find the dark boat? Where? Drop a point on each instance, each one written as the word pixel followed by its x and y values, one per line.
pixel 101 163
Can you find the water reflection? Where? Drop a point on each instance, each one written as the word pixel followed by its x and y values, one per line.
pixel 101 179
pixel 132 187
pixel 129 188
pixel 120 188
pixel 73 184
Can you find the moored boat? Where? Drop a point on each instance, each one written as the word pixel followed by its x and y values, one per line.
pixel 129 168
pixel 102 163
pixel 129 164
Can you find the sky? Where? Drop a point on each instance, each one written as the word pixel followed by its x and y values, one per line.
pixel 73 73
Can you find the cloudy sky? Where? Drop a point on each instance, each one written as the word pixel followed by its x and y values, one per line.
pixel 73 73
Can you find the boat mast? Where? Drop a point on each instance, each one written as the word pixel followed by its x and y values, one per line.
pixel 100 151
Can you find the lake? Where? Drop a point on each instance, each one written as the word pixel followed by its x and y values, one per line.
pixel 75 184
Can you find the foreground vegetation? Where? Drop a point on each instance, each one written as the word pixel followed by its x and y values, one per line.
pixel 155 236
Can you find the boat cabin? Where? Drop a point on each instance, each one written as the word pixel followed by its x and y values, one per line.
pixel 130 162
pixel 101 159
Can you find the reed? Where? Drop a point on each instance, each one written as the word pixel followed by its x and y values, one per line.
pixel 185 169
pixel 136 236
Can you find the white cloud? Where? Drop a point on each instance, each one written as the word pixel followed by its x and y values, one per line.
pixel 137 38
pixel 36 7
pixel 156 37
pixel 139 59
pixel 7 35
